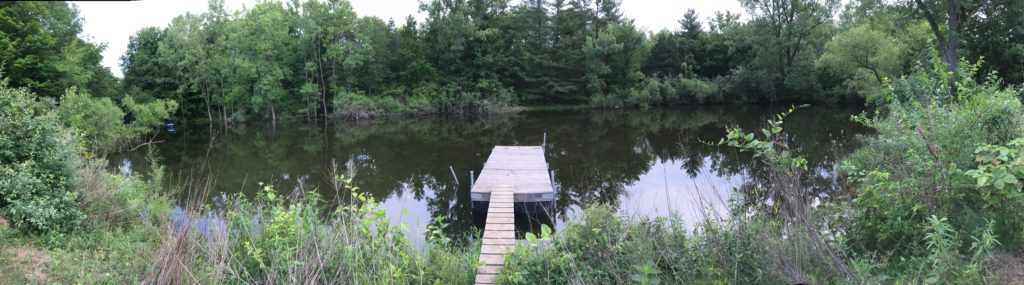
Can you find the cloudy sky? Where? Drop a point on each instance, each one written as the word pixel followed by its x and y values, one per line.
pixel 113 22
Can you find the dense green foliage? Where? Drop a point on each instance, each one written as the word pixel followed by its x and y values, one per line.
pixel 40 151
pixel 38 160
pixel 937 155
pixel 98 120
pixel 318 58
pixel 101 122
pixel 40 49
pixel 865 57
pixel 483 55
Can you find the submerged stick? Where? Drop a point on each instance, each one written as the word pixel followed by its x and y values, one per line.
pixel 453 174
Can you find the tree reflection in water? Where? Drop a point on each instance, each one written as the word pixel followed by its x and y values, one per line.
pixel 647 162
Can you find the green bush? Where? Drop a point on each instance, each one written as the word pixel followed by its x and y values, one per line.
pixel 115 245
pixel 353 105
pixel 144 117
pixel 38 161
pixel 423 97
pixel 486 96
pixel 387 105
pixel 654 91
pixel 98 120
pixel 102 123
pixel 920 163
pixel 605 247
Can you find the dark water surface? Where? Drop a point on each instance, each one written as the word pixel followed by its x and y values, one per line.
pixel 648 163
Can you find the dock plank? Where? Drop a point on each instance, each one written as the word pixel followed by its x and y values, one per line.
pixel 508 171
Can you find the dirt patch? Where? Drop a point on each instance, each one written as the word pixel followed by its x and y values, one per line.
pixel 28 263
pixel 1009 267
pixel 3 222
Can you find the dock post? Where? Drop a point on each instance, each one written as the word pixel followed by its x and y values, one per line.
pixel 471 179
pixel 453 174
pixel 545 143
pixel 552 177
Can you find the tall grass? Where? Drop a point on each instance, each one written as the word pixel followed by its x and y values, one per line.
pixel 276 239
pixel 135 234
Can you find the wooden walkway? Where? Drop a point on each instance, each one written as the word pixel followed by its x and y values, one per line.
pixel 511 174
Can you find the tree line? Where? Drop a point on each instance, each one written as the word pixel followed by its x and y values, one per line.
pixel 318 58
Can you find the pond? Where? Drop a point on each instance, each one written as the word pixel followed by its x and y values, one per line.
pixel 648 163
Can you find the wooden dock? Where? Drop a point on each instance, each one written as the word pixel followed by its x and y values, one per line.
pixel 511 174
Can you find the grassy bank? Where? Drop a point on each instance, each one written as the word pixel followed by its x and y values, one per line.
pixel 116 242
pixel 131 234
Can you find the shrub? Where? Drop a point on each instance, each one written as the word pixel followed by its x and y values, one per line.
pixel 484 97
pixel 655 91
pixel 38 161
pixel 146 116
pixel 605 247
pixel 423 97
pixel 353 105
pixel 701 91
pixel 98 120
pixel 102 123
pixel 929 138
pixel 387 105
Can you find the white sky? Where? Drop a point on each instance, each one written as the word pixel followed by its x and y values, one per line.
pixel 113 22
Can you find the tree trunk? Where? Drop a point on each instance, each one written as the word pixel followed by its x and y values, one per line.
pixel 947 46
pixel 273 115
pixel 877 76
pixel 206 97
pixel 223 114
pixel 951 43
pixel 323 83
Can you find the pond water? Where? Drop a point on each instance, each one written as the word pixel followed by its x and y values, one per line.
pixel 648 163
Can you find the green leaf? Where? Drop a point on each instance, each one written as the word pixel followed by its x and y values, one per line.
pixel 1010 178
pixel 531 239
pixel 751 144
pixel 982 181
